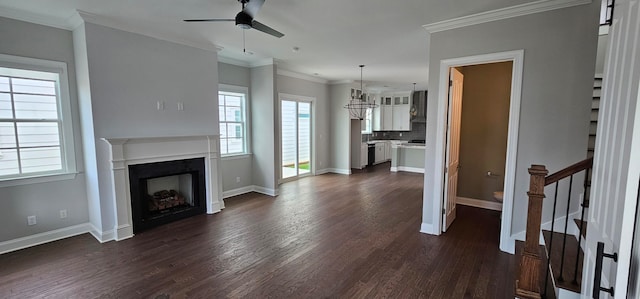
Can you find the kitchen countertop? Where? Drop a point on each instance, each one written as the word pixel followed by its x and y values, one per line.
pixel 392 141
pixel 409 145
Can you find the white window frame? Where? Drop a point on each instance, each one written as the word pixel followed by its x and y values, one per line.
pixel 67 146
pixel 226 88
pixel 367 122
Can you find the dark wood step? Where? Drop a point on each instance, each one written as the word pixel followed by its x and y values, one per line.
pixel 582 224
pixel 572 251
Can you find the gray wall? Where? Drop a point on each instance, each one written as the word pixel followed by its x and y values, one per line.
pixel 340 127
pixel 484 126
pixel 43 200
pixel 408 157
pixel 263 122
pixel 127 74
pixel 319 91
pixel 603 42
pixel 559 63
pixel 240 166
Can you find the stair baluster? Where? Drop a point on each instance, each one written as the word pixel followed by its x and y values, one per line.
pixel 527 284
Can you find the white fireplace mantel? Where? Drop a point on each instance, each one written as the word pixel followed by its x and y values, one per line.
pixel 137 150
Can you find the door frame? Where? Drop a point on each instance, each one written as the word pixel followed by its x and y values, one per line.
pixel 296 98
pixel 507 243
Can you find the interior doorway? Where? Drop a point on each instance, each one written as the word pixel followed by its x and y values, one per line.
pixel 478 118
pixel 296 137
pixel 443 208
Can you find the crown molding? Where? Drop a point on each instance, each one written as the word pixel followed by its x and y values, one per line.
pixel 30 17
pixel 233 61
pixel 503 13
pixel 305 77
pixel 111 23
pixel 263 62
pixel 335 82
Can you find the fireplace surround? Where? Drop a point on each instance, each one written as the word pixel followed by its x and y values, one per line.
pixel 124 152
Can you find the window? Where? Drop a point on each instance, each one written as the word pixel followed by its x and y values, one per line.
pixel 233 126
pixel 366 122
pixel 34 101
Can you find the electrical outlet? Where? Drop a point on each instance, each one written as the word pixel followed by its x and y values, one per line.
pixel 180 106
pixel 63 214
pixel 31 220
pixel 160 105
pixel 237 179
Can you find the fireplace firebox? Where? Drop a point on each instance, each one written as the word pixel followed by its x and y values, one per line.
pixel 163 192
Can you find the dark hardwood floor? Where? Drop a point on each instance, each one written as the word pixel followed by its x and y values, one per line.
pixel 326 236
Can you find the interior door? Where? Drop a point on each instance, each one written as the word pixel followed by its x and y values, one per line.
pixel 616 162
pixel 453 147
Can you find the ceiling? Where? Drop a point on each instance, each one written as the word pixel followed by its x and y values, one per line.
pixel 333 36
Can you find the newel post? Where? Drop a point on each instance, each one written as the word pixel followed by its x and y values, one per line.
pixel 528 282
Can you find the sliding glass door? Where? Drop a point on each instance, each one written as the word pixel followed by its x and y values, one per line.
pixel 295 126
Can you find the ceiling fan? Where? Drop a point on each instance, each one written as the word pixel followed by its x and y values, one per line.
pixel 244 19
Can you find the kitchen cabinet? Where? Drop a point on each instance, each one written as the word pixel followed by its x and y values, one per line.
pixel 393 112
pixel 364 155
pixel 377 118
pixel 380 152
pixel 387 151
pixel 387 118
pixel 401 118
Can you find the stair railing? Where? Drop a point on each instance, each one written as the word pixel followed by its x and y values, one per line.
pixel 528 282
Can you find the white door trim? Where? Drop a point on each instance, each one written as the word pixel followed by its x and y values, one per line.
pixel 296 98
pixel 507 243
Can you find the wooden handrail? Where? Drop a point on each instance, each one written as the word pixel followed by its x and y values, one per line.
pixel 527 284
pixel 572 169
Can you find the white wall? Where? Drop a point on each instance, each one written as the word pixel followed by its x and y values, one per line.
pixel 263 122
pixel 128 73
pixel 319 91
pixel 559 62
pixel 43 200
pixel 340 127
pixel 241 166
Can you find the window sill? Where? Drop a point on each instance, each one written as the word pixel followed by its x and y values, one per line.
pixel 37 179
pixel 236 157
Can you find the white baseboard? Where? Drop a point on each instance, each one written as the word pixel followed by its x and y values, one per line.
pixel 124 232
pixel 339 171
pixel 102 236
pixel 46 237
pixel 478 203
pixel 237 191
pixel 266 191
pixel 407 169
pixel 322 171
pixel 427 228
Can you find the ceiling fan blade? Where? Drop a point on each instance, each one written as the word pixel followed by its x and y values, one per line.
pixel 252 7
pixel 266 29
pixel 210 20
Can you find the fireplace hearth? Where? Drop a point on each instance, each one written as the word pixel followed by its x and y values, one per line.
pixel 163 192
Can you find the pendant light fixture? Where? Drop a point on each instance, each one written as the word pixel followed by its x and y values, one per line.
pixel 358 105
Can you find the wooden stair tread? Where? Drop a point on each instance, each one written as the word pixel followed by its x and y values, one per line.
pixel 580 223
pixel 572 249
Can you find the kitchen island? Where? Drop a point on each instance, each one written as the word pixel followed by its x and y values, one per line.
pixel 407 157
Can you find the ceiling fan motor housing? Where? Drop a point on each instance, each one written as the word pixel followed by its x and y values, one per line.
pixel 243 20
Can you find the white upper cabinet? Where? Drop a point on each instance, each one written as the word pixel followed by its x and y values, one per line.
pixel 393 112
